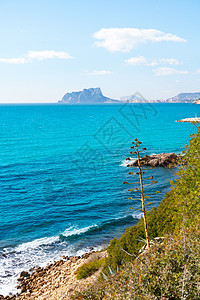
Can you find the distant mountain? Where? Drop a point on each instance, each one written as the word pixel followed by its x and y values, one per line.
pixel 87 96
pixel 133 99
pixel 184 97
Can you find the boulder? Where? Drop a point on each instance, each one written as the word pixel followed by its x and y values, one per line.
pixel 24 274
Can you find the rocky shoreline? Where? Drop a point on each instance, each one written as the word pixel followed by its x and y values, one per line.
pixel 56 280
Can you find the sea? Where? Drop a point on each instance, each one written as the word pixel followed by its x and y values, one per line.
pixel 62 169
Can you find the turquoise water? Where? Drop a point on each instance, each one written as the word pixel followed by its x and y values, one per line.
pixel 61 174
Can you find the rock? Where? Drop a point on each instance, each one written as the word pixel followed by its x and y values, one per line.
pixel 24 274
pixel 85 255
pixel 40 274
pixel 61 262
pixel 23 288
pixel 31 269
pixel 91 248
pixel 74 259
pixel 20 279
pixel 156 160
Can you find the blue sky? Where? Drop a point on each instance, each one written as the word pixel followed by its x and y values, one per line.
pixel 51 47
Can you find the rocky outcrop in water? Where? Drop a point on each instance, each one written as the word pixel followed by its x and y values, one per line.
pixel 156 160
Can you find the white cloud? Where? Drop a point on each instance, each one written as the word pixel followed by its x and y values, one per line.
pixel 41 55
pixel 165 61
pixel 136 61
pixel 37 55
pixel 164 71
pixel 141 60
pixel 125 39
pixel 198 71
pixel 18 60
pixel 100 72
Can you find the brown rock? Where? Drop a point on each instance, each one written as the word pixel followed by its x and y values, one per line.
pixel 157 160
pixel 41 273
pixel 74 259
pixel 20 279
pixel 23 288
pixel 24 274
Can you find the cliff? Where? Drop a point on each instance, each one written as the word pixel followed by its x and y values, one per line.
pixel 86 96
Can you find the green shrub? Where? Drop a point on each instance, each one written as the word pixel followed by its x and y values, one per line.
pixel 170 270
pixel 90 268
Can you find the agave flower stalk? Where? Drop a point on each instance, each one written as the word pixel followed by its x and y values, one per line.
pixel 142 192
pixel 141 186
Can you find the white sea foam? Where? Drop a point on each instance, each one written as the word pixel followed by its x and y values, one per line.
pixel 136 215
pixel 73 230
pixel 37 243
pixel 125 162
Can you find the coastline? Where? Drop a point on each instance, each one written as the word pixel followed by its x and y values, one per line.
pixel 56 280
pixel 176 136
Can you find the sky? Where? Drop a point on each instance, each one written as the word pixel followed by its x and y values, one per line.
pixel 52 47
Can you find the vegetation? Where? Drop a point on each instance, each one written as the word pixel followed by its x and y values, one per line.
pixel 90 268
pixel 171 269
pixel 180 207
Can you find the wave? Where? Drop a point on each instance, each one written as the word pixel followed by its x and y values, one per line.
pixel 95 230
pixel 72 231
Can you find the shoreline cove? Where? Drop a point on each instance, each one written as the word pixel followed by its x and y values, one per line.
pixel 57 279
